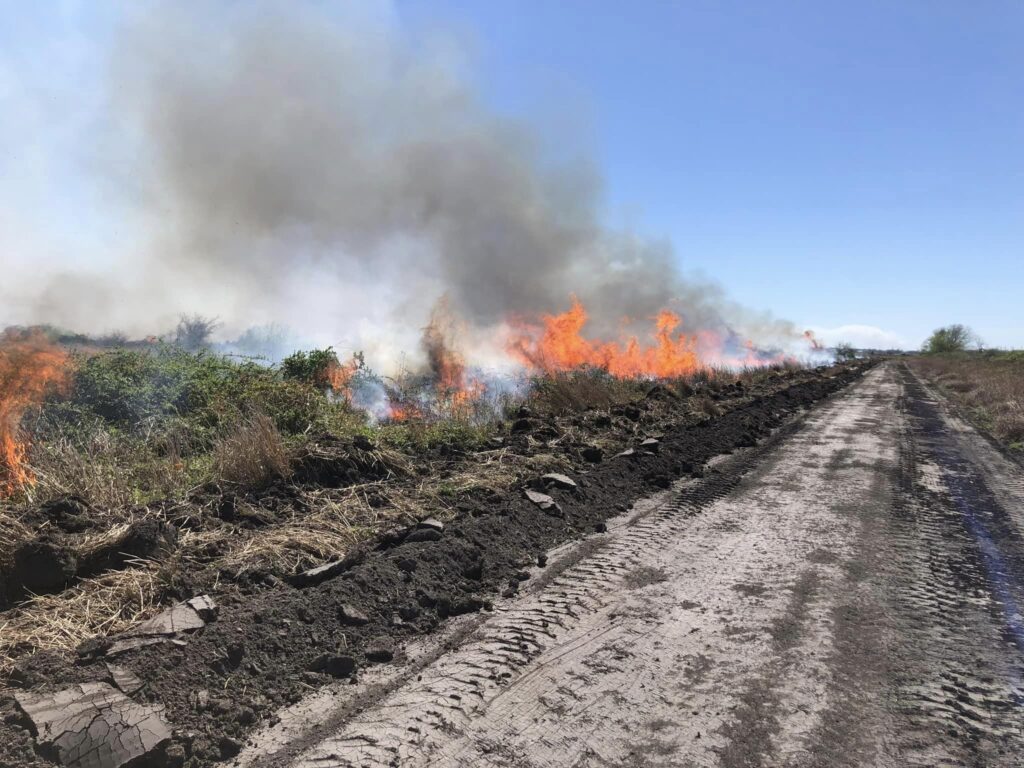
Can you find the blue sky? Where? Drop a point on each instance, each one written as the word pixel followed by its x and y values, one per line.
pixel 839 163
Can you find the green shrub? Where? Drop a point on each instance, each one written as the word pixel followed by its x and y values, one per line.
pixel 176 395
pixel 317 366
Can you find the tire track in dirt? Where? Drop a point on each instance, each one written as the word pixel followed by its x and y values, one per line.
pixel 960 561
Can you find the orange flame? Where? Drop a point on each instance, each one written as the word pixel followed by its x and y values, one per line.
pixel 559 345
pixel 338 375
pixel 30 365
pixel 447 365
pixel 403 411
pixel 815 344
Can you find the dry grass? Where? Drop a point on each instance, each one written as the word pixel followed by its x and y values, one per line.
pixel 705 406
pixel 251 453
pixel 579 390
pixel 104 605
pixel 326 525
pixel 1009 423
pixel 108 470
pixel 989 388
pixel 12 529
pixel 330 521
pixel 88 545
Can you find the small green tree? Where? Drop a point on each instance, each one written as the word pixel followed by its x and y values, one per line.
pixel 845 351
pixel 950 339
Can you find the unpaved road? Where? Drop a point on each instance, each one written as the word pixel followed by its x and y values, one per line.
pixel 847 595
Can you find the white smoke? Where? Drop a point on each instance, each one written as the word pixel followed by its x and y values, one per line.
pixel 330 169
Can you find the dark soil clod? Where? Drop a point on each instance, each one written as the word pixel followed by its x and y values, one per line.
pixel 352 616
pixel 335 665
pixel 41 566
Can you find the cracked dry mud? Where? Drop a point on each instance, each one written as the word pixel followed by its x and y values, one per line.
pixel 92 725
pixel 848 594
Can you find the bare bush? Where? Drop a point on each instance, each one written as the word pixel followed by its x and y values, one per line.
pixel 251 453
pixel 194 332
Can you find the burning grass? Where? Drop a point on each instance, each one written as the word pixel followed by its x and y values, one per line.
pixel 989 387
pixel 29 366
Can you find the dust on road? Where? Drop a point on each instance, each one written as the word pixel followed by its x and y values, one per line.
pixel 847 596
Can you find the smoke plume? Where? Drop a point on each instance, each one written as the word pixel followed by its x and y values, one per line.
pixel 338 172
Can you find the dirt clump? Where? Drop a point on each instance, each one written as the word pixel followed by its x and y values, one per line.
pixel 41 565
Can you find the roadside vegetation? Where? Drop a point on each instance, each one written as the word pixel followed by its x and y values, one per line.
pixel 159 470
pixel 988 385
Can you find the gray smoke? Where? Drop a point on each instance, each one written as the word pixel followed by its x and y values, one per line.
pixel 289 155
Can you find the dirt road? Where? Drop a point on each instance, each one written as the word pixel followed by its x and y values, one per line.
pixel 847 595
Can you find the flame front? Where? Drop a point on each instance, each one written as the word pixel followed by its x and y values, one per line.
pixel 454 387
pixel 558 345
pixel 29 367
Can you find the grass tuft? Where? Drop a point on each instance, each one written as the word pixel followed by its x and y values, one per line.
pixel 251 453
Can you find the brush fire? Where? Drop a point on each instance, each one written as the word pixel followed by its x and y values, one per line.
pixel 30 367
pixel 446 385
pixel 558 344
pixel 449 385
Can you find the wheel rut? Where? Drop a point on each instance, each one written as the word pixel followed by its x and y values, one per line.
pixel 960 567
